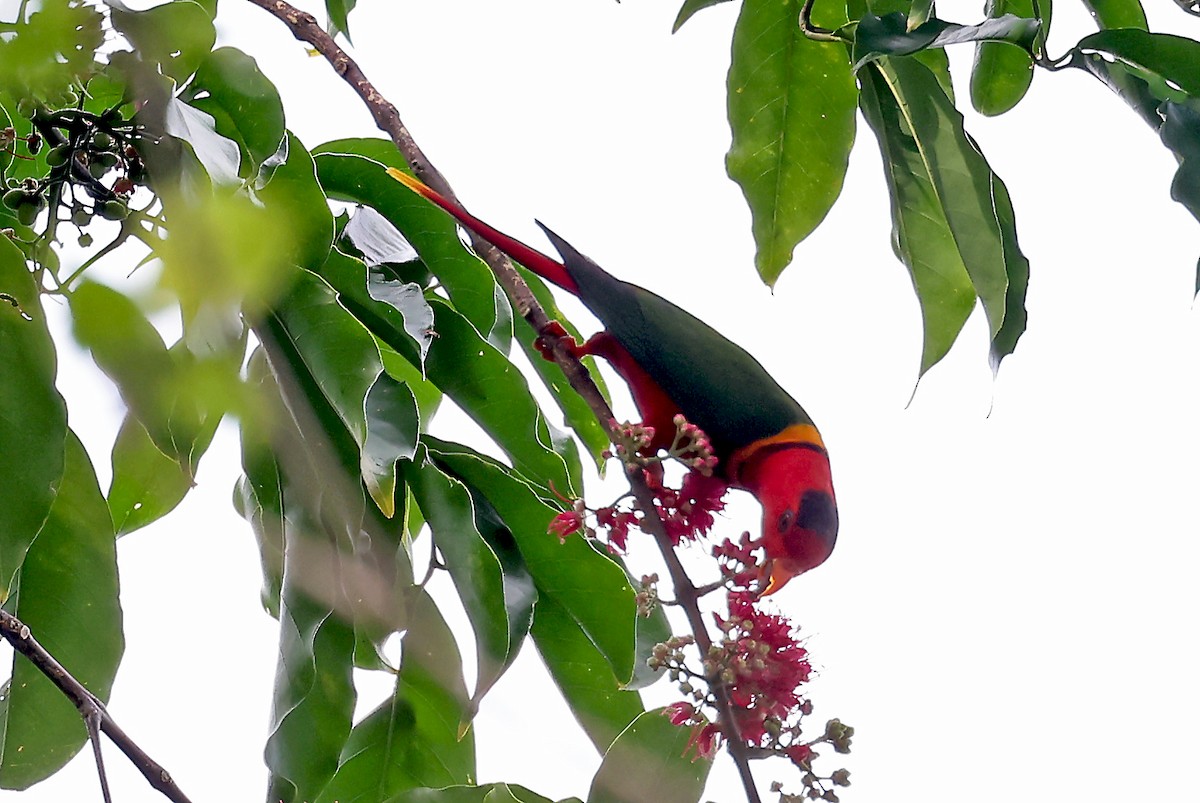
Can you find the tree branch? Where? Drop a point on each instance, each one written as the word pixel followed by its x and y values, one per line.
pixel 305 27
pixel 95 717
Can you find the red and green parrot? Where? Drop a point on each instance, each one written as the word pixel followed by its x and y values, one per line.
pixel 674 363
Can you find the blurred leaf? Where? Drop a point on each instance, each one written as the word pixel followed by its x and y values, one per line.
pixel 1117 13
pixel 946 227
pixel 258 495
pixel 297 196
pixel 602 708
pixel 242 101
pixel 178 35
pixel 490 793
pixel 353 170
pixel 579 416
pixel 889 35
pixel 689 8
pixel 791 108
pixel 648 762
pixel 472 564
pixel 55 47
pixel 33 438
pixel 412 739
pixel 592 588
pixel 68 597
pixel 314 690
pixel 1002 73
pixel 492 391
pixel 339 12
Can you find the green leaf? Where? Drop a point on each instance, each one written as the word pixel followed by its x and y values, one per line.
pixel 579 416
pixel 296 194
pixel 177 35
pixel 492 391
pixel 33 437
pixel 341 357
pixel 314 692
pixel 53 49
pixel 1156 57
pixel 602 708
pixel 591 587
pixel 1002 73
pixel 353 170
pixel 242 101
pixel 791 108
pixel 946 228
pixel 490 793
pixel 1117 13
pixel 877 37
pixel 392 422
pixel 472 564
pixel 68 598
pixel 339 12
pixel 648 762
pixel 689 8
pixel 412 739
pixel 1015 317
pixel 408 299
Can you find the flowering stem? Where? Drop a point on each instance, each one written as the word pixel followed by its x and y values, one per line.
pixel 306 28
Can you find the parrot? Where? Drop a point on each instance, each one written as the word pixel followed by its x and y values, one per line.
pixel 675 364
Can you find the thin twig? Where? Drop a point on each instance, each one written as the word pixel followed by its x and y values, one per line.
pixel 306 28
pixel 95 717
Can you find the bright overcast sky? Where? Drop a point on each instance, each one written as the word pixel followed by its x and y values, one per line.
pixel 1010 613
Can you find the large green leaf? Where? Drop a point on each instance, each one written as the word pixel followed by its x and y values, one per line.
pixel 473 565
pixel 492 391
pixel 944 198
pixel 244 103
pixel 1155 57
pixel 1002 73
pixel 33 437
pixel 294 191
pixel 791 107
pixel 648 762
pixel 314 692
pixel 411 740
pixel 68 597
pixel 353 170
pixel 602 708
pixel 1117 13
pixel 177 35
pixel 592 588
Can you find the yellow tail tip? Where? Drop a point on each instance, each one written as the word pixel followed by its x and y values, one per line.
pixel 412 182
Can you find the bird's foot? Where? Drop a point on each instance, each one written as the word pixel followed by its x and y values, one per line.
pixel 550 333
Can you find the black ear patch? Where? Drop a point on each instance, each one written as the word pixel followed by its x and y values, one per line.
pixel 818 513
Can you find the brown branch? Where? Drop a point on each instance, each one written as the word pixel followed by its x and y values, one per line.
pixel 95 717
pixel 305 27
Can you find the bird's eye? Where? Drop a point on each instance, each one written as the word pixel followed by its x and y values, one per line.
pixel 785 521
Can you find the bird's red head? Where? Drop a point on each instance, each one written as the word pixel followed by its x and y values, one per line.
pixel 791 479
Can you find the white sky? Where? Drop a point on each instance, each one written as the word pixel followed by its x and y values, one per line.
pixel 1010 610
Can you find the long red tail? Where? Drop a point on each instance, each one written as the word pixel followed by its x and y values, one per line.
pixel 536 261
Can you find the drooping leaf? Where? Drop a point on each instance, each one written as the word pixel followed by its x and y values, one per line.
pixel 339 12
pixel 217 153
pixel 408 299
pixel 592 589
pixel 1155 57
pixel 1002 73
pixel 946 228
pixel 791 108
pixel 177 35
pixel 68 597
pixel 392 423
pixel 586 681
pixel 889 35
pixel 1117 13
pixel 314 691
pixel 33 438
pixel 689 9
pixel 412 739
pixel 648 762
pixel 243 103
pixel 472 563
pixel 489 793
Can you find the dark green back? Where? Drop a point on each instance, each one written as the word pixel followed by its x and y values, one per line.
pixel 718 386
